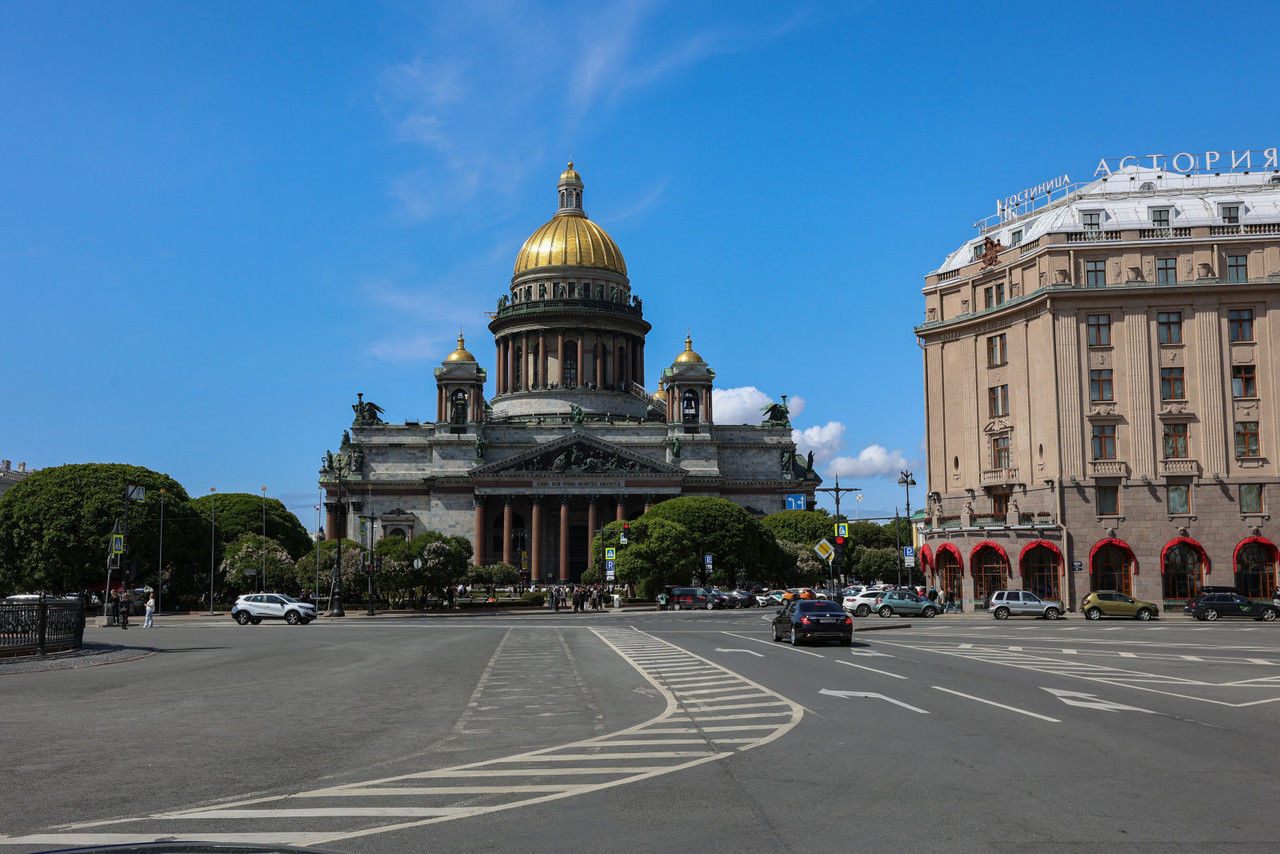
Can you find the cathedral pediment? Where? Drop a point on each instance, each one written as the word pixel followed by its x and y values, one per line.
pixel 578 454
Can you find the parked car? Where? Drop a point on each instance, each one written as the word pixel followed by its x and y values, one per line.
pixel 684 598
pixel 745 598
pixel 256 607
pixel 773 597
pixel 904 603
pixel 862 604
pixel 717 599
pixel 1211 606
pixel 803 620
pixel 1023 603
pixel 1112 603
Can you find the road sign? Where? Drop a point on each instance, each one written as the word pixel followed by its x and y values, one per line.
pixel 842 529
pixel 610 565
pixel 825 550
pixel 908 556
pixel 610 553
pixel 795 502
pixel 707 560
pixel 362 528
pixel 608 575
pixel 117 544
pixel 622 538
pixel 136 493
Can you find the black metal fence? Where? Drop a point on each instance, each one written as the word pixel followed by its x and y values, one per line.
pixel 40 626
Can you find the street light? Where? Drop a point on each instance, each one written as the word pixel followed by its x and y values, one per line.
pixel 264 539
pixel 213 516
pixel 160 568
pixel 335 584
pixel 907 481
pixel 369 542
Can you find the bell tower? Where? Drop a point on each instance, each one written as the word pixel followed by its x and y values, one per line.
pixel 460 390
pixel 688 385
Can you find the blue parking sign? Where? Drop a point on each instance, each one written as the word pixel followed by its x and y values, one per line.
pixel 610 565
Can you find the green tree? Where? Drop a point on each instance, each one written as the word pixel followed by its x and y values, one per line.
pixel 243 559
pixel 353 564
pixel 444 559
pixel 800 526
pixel 658 552
pixel 878 565
pixel 734 537
pixel 800 567
pixel 497 575
pixel 241 513
pixel 56 524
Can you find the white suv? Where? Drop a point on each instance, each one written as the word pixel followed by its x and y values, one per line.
pixel 1023 603
pixel 862 604
pixel 256 607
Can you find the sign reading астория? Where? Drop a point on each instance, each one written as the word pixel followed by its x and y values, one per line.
pixel 1185 161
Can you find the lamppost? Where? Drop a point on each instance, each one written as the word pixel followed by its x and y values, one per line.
pixel 335 595
pixel 906 481
pixel 369 543
pixel 319 539
pixel 160 567
pixel 213 516
pixel 264 539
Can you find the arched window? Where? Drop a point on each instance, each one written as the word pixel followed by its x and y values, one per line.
pixel 1041 572
pixel 458 407
pixel 1255 571
pixel 569 358
pixel 1112 569
pixel 950 572
pixel 1183 572
pixel 689 407
pixel 990 570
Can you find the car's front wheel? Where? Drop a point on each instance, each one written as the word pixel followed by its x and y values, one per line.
pixel 1211 615
pixel 1267 615
pixel 1093 614
pixel 243 618
pixel 1143 614
pixel 293 618
pixel 711 606
pixel 886 611
pixel 1051 613
pixel 930 613
pixel 676 607
pixel 1002 613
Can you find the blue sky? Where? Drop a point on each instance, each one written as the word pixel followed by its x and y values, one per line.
pixel 219 221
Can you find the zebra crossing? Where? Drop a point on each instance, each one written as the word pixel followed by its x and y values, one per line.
pixel 710 713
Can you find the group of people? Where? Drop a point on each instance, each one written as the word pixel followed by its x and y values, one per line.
pixel 944 598
pixel 582 597
pixel 122 603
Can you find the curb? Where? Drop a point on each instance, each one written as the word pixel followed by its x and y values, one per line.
pixel 884 628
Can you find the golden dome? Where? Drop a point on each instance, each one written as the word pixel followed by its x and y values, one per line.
pixel 570 174
pixel 688 356
pixel 570 240
pixel 661 393
pixel 461 354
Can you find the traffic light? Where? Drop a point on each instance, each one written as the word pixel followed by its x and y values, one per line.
pixel 626 531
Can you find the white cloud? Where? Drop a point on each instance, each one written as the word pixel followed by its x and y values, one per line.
pixel 825 440
pixel 795 403
pixel 872 461
pixel 738 405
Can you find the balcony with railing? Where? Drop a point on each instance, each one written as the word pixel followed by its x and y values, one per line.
pixel 1163 233
pixel 1108 468
pixel 1092 235
pixel 1178 467
pixel 998 477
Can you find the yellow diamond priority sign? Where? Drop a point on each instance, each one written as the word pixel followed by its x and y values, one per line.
pixel 825 550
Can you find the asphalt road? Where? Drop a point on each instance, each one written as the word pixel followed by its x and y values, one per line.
pixel 653 732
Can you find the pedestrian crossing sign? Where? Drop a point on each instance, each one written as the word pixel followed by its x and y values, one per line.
pixel 610 553
pixel 842 529
pixel 117 544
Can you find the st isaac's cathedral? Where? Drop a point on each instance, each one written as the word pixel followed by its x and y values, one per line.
pixel 571 438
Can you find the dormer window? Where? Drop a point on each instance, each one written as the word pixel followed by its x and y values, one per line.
pixel 1230 214
pixel 977 252
pixel 1091 220
pixel 1016 237
pixel 1160 217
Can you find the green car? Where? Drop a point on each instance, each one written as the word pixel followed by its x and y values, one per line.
pixel 1110 603
pixel 905 603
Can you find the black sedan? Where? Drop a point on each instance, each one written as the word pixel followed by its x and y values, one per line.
pixel 1211 606
pixel 803 620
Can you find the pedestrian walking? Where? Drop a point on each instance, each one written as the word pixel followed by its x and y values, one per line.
pixel 115 608
pixel 126 602
pixel 149 622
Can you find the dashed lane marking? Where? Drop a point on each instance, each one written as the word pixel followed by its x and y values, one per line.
pixel 698 725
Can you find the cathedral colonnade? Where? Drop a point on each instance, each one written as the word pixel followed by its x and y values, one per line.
pixel 568 358
pixel 548 535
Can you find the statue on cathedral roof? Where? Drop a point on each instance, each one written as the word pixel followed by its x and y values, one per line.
pixel 777 414
pixel 367 413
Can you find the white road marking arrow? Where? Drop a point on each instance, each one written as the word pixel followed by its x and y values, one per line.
pixel 747 651
pixel 873 696
pixel 1092 701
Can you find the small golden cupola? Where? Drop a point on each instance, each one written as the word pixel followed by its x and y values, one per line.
pixel 461 354
pixel 689 357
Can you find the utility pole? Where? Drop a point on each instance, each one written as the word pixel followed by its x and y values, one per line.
pixel 837 491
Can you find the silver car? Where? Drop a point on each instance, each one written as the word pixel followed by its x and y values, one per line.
pixel 1023 603
pixel 256 607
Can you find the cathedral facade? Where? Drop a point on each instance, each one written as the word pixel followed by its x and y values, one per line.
pixel 570 438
